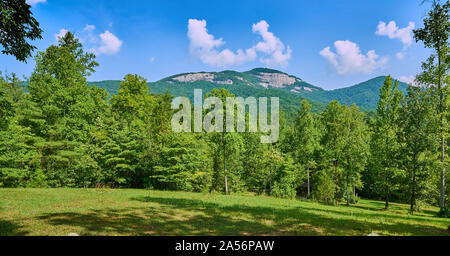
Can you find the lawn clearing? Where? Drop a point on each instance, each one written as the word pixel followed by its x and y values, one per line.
pixel 105 212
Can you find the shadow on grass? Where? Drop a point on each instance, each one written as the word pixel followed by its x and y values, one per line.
pixel 9 228
pixel 328 221
pixel 386 215
pixel 400 211
pixel 179 216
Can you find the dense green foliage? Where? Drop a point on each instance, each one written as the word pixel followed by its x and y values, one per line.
pixel 386 153
pixel 435 77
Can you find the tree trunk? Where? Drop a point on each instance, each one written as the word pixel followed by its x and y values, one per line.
pixel 413 192
pixel 441 116
pixel 336 192
pixel 309 185
pixel 348 197
pixel 386 204
pixel 225 163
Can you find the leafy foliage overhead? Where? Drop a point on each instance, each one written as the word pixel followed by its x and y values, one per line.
pixel 17 25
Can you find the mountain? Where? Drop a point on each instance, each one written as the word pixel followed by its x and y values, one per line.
pixel 259 82
pixel 264 82
pixel 365 95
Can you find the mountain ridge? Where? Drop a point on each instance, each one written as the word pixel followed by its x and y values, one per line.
pixel 264 82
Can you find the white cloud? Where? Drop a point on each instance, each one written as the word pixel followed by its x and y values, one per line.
pixel 88 28
pixel 109 44
pixel 61 34
pixel 152 59
pixel 407 79
pixel 35 2
pixel 88 36
pixel 394 32
pixel 105 43
pixel 271 46
pixel 348 59
pixel 205 46
pixel 405 35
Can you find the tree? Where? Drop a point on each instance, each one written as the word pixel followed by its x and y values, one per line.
pixel 281 177
pixel 185 164
pixel 68 106
pixel 222 94
pixel 334 141
pixel 6 103
pixel 19 159
pixel 254 172
pixel 17 24
pixel 145 117
pixel 435 76
pixel 62 92
pixel 385 145
pixel 418 144
pixel 356 149
pixel 306 138
pixel 132 98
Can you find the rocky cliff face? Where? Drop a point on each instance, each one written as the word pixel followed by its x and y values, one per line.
pixel 190 78
pixel 283 81
pixel 261 77
pixel 277 80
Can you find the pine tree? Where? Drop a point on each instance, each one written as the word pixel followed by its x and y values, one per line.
pixel 63 98
pixel 19 159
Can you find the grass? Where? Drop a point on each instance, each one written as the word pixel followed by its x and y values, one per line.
pixel 58 212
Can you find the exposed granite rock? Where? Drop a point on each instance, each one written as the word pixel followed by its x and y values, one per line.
pixel 276 80
pixel 190 78
pixel 224 82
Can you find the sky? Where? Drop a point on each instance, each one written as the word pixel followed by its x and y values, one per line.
pixel 328 43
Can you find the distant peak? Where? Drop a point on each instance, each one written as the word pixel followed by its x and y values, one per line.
pixel 265 70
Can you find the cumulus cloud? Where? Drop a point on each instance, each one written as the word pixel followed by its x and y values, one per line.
pixel 152 59
pixel 271 46
pixel 61 34
pixel 206 47
pixel 35 2
pixel 104 43
pixel 407 79
pixel 391 30
pixel 88 28
pixel 109 44
pixel 348 59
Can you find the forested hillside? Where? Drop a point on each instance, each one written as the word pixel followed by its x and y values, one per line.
pixel 365 95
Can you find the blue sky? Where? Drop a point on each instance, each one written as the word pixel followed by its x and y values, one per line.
pixel 156 38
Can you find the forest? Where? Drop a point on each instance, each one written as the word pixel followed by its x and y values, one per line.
pixel 59 131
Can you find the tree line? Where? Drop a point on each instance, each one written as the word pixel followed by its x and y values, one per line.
pixel 58 131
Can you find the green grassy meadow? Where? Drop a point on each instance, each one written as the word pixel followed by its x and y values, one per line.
pixel 50 212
